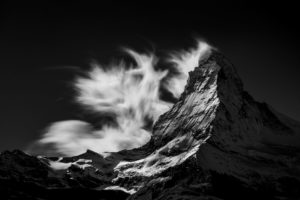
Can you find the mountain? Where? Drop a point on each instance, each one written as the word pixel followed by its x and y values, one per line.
pixel 216 142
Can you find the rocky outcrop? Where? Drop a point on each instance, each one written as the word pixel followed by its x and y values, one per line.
pixel 28 177
pixel 216 142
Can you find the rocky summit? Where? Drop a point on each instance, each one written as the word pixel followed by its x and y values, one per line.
pixel 216 142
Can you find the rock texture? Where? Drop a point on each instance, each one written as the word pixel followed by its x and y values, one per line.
pixel 216 142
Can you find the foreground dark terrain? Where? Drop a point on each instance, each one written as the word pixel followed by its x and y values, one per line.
pixel 216 142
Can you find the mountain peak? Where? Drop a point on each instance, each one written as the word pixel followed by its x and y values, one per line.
pixel 217 122
pixel 214 83
pixel 90 152
pixel 216 142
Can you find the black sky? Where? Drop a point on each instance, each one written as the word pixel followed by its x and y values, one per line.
pixel 44 43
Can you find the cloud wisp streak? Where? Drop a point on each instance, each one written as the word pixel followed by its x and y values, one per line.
pixel 128 92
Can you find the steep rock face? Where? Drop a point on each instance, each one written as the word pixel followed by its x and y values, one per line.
pixel 216 142
pixel 249 142
pixel 217 130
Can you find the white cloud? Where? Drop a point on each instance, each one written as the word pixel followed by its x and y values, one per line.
pixel 129 92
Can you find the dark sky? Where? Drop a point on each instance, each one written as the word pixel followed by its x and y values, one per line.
pixel 43 43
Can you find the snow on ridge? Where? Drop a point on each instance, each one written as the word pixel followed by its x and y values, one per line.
pixel 115 187
pixel 81 163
